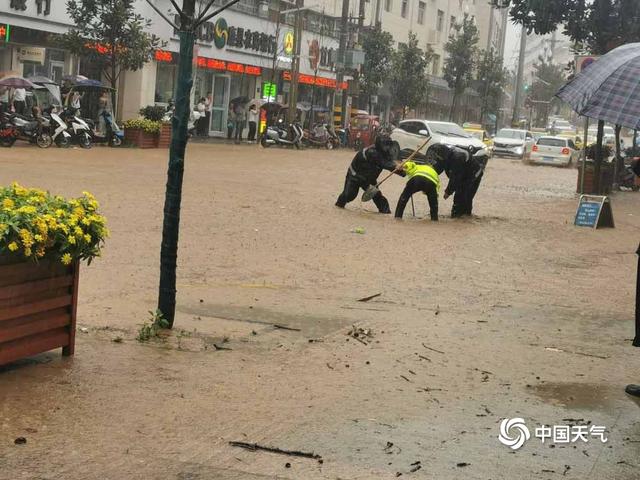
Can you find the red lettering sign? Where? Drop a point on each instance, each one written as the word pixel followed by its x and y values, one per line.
pixel 249 70
pixel 216 64
pixel 235 67
pixel 163 56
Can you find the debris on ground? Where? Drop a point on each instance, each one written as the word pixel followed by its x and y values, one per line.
pixel 361 334
pixel 390 448
pixel 462 464
pixel 84 329
pixel 370 297
pixel 294 453
pixel 553 349
pixel 285 327
pixel 415 466
pixel 432 349
pixel 20 441
pixel 359 230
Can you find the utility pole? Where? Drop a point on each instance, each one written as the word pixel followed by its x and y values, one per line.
pixel 295 64
pixel 361 17
pixel 519 79
pixel 344 33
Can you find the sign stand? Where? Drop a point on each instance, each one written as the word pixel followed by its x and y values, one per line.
pixel 594 211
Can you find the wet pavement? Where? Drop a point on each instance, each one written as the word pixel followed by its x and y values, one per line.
pixel 515 313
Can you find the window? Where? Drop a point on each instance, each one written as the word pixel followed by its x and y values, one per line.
pixel 421 9
pixel 435 65
pixel 404 9
pixel 452 24
pixel 388 5
pixel 412 127
pixel 165 82
pixel 552 142
pixel 440 20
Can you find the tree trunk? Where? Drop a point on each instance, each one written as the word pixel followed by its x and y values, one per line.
pixel 114 86
pixel 452 110
pixel 173 195
pixel 619 165
pixel 597 170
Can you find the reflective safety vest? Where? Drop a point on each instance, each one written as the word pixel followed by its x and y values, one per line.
pixel 427 171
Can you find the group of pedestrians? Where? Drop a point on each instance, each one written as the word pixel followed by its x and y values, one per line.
pixel 238 118
pixel 14 100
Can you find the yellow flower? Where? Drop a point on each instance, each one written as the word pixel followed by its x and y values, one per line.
pixel 85 221
pixel 71 240
pixel 59 213
pixel 27 252
pixel 66 259
pixel 25 236
pixel 87 238
pixel 37 237
pixel 78 231
pixel 2 227
pixel 13 246
pixel 27 209
pixel 8 204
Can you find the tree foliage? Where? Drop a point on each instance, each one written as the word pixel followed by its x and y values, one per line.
pixel 461 51
pixel 492 79
pixel 595 26
pixel 548 78
pixel 110 34
pixel 408 77
pixel 378 56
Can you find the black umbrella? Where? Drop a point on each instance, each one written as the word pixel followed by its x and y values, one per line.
pixel 608 89
pixel 242 100
pixel 16 82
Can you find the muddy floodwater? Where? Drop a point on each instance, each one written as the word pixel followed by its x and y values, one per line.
pixel 515 313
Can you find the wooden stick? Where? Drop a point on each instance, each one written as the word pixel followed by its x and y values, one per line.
pixel 294 453
pixel 409 158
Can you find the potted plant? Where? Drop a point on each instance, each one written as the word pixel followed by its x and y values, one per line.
pixel 158 113
pixel 142 132
pixel 43 239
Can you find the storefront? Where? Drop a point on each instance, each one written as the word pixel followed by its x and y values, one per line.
pixel 30 39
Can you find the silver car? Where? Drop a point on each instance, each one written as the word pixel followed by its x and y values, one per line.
pixel 559 151
pixel 511 142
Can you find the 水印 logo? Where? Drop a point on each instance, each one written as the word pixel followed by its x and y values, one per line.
pixel 513 433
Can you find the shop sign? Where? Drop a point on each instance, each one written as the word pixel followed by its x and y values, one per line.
pixel 222 35
pixel 269 91
pixel 31 54
pixel 315 80
pixel 214 64
pixel 44 6
pixel 320 57
pixel 163 56
pixel 5 32
pixel 288 43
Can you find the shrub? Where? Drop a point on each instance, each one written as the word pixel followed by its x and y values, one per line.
pixel 153 112
pixel 148 126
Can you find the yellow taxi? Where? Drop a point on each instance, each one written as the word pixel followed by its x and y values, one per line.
pixel 476 130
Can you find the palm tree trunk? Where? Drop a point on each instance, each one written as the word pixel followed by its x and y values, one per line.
pixel 173 195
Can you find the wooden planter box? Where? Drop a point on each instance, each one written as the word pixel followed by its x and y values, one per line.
pixel 140 138
pixel 38 304
pixel 164 139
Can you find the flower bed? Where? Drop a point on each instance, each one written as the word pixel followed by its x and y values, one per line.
pixel 43 238
pixel 142 133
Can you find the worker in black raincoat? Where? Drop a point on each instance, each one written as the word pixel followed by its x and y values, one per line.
pixel 465 173
pixel 365 169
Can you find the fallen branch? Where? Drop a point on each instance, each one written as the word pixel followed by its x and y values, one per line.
pixel 432 349
pixel 284 327
pixel 553 349
pixel 371 297
pixel 294 453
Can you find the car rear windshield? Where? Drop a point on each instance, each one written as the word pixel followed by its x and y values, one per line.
pixel 552 142
pixel 517 134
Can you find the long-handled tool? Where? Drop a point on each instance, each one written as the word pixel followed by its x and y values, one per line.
pixel 373 190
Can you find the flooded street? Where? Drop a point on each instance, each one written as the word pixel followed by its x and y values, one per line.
pixel 515 313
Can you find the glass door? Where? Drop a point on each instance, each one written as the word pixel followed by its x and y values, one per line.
pixel 56 69
pixel 220 104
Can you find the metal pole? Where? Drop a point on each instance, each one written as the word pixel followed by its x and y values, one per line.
pixel 516 107
pixel 584 154
pixel 636 341
pixel 341 58
pixel 295 66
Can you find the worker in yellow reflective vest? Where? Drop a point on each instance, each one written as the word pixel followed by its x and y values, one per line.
pixel 422 178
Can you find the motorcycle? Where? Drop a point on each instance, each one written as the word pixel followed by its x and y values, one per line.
pixel 112 135
pixel 18 127
pixel 628 178
pixel 80 129
pixel 321 137
pixel 57 128
pixel 278 135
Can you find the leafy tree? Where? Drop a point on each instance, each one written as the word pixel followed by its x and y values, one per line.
pixel 461 51
pixel 492 79
pixel 109 33
pixel 595 26
pixel 548 78
pixel 409 81
pixel 378 55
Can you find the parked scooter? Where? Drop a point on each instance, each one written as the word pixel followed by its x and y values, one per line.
pixel 18 127
pixel 278 135
pixel 112 134
pixel 79 129
pixel 57 128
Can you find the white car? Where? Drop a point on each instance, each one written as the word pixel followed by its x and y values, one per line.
pixel 411 134
pixel 511 142
pixel 550 150
pixel 609 137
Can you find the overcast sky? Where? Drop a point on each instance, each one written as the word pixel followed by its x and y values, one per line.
pixel 512 46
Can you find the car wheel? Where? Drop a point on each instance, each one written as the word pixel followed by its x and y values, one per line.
pixel 85 140
pixel 264 143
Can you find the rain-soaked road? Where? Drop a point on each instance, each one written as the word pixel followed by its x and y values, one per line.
pixel 516 313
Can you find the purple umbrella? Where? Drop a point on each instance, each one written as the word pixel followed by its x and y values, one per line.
pixel 16 82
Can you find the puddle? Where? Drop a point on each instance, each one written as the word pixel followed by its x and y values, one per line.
pixel 590 396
